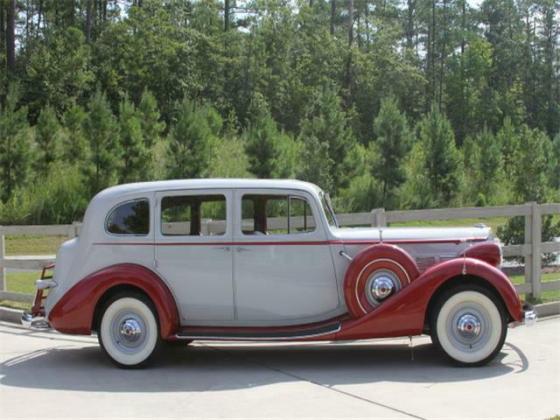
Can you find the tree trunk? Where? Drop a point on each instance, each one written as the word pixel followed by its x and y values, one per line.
pixel 89 13
pixel 409 30
pixel 226 15
pixel 350 22
pixel 442 56
pixel 333 15
pixel 11 35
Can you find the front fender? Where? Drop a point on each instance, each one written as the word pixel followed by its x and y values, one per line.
pixel 74 312
pixel 404 313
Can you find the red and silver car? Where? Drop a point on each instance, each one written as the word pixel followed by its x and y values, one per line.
pixel 265 260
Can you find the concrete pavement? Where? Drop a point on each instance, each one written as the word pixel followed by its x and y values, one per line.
pixel 45 374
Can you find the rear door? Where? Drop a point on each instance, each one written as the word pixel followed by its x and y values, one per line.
pixel 193 252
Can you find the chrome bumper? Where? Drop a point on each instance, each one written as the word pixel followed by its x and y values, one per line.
pixel 34 322
pixel 529 317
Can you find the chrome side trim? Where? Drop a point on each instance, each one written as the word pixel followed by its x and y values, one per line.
pixel 233 337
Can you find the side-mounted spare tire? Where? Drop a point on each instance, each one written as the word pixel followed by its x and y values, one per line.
pixel 376 273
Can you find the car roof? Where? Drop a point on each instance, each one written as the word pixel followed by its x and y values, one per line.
pixel 205 183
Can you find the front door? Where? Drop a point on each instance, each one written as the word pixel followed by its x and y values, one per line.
pixel 193 252
pixel 283 268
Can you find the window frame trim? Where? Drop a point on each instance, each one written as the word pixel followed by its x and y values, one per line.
pixel 167 235
pixel 281 193
pixel 122 203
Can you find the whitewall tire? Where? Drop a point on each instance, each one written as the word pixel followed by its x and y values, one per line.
pixel 129 332
pixel 469 325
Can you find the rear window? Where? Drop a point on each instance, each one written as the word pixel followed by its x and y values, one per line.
pixel 130 218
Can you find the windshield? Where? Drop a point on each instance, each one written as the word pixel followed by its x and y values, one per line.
pixel 328 209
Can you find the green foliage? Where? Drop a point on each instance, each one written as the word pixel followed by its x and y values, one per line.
pixel 326 133
pixel 532 165
pixel 136 158
pixel 58 70
pixel 441 161
pixel 229 159
pixel 191 140
pixel 483 169
pixel 392 144
pixel 74 144
pixel 105 153
pixel 15 145
pixel 59 198
pixel 47 139
pixel 150 119
pixel 141 90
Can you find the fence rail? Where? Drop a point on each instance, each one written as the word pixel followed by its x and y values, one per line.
pixel 531 250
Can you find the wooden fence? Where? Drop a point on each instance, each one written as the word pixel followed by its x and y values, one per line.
pixel 531 251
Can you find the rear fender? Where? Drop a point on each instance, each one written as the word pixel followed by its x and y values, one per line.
pixel 74 312
pixel 405 313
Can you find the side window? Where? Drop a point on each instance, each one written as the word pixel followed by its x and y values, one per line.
pixel 193 215
pixel 275 215
pixel 130 218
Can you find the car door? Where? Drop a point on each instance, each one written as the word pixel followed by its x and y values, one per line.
pixel 193 252
pixel 283 267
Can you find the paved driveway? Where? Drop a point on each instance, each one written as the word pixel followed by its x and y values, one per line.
pixel 45 374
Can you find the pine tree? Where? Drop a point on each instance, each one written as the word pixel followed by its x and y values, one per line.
pixel 392 143
pixel 483 168
pixel 101 132
pixel 555 167
pixel 191 140
pixel 15 147
pixel 441 158
pixel 152 127
pixel 317 165
pixel 74 143
pixel 262 147
pixel 47 136
pixel 530 178
pixel 326 123
pixel 136 160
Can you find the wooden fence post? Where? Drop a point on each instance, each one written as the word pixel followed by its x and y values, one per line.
pixel 528 259
pixel 3 284
pixel 378 217
pixel 536 257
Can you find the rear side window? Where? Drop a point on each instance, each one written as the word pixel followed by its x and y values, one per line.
pixel 130 218
pixel 193 215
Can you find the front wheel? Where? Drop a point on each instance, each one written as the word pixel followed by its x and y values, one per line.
pixel 129 332
pixel 469 325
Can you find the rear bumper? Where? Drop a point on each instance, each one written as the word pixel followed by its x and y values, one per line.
pixel 34 322
pixel 36 318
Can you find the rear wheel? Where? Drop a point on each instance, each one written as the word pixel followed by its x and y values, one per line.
pixel 129 331
pixel 469 325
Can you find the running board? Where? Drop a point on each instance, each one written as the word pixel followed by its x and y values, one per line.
pixel 240 335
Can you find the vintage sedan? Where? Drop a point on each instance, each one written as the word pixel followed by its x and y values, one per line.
pixel 265 260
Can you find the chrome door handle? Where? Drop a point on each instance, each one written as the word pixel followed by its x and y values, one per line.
pixel 242 249
pixel 223 248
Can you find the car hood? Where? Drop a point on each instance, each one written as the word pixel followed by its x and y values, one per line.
pixel 459 234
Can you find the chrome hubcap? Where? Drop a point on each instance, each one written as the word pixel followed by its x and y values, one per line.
pixel 130 330
pixel 469 326
pixel 382 287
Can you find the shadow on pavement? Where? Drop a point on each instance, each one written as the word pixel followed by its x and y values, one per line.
pixel 211 368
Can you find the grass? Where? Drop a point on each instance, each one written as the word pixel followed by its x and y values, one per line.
pixel 33 244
